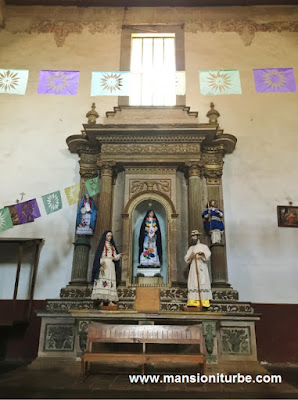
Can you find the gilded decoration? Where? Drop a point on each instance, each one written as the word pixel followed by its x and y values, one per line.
pixel 162 148
pixel 246 28
pixel 213 164
pixel 150 171
pixel 213 176
pixel 213 154
pixel 212 114
pixel 193 168
pixel 160 138
pixel 158 185
pixel 92 115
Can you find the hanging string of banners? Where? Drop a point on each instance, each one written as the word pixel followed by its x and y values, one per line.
pixel 27 211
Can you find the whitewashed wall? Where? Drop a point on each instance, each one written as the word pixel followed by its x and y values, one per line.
pixel 259 175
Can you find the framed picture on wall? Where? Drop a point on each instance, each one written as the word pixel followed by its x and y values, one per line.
pixel 287 216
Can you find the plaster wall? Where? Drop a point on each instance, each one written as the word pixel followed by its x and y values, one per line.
pixel 258 176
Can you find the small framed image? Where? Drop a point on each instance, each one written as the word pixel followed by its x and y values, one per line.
pixel 287 216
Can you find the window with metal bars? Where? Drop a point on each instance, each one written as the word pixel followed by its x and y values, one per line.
pixel 153 67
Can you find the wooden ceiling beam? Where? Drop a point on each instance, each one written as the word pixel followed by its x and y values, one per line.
pixel 149 3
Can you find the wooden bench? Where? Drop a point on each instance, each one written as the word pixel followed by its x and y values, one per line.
pixel 144 334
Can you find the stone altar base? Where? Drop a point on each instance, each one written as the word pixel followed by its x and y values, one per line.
pixel 228 327
pixel 228 337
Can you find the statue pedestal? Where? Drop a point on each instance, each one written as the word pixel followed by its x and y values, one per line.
pixel 149 271
pixel 147 299
pixel 193 309
pixel 149 280
pixel 149 276
pixel 109 308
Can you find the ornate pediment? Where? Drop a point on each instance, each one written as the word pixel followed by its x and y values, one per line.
pixel 137 132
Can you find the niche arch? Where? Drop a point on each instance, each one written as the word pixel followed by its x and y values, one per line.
pixel 131 225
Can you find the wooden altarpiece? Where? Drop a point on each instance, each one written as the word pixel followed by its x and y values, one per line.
pixel 144 156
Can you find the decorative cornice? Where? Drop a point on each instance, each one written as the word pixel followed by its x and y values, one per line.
pixel 62 29
pixel 246 28
pixel 212 158
pixel 162 148
pixel 117 109
pixel 150 171
pixel 149 139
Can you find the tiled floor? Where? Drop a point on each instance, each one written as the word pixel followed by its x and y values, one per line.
pixel 27 382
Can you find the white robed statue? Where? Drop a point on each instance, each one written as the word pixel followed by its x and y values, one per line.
pixel 198 285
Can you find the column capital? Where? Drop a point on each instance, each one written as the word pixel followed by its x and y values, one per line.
pixel 88 167
pixel 213 175
pixel 212 158
pixel 107 168
pixel 193 168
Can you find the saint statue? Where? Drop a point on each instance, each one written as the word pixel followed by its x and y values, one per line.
pixel 150 247
pixel 105 270
pixel 198 284
pixel 86 216
pixel 213 224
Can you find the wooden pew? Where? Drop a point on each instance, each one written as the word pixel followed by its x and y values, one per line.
pixel 144 334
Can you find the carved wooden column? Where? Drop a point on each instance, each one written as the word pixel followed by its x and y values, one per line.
pixel 125 249
pixel 107 169
pixel 194 196
pixel 88 170
pixel 213 167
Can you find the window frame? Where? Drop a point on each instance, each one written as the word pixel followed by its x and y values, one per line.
pixel 125 53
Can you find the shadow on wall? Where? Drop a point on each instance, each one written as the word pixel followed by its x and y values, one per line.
pixel 20 342
pixel 277 333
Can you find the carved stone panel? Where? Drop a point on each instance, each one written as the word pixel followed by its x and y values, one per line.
pixel 209 333
pixel 82 333
pixel 59 337
pixel 151 179
pixel 236 340
pixel 160 148
pixel 141 185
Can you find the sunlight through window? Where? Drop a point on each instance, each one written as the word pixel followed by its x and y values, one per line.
pixel 153 66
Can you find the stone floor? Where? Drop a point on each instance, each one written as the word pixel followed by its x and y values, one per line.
pixel 64 382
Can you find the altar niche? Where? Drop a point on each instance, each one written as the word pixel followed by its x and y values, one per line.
pixel 132 272
pixel 142 273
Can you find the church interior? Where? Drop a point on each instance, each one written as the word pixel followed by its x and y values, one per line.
pixel 148 211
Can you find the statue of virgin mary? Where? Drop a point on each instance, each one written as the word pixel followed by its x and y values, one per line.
pixel 150 247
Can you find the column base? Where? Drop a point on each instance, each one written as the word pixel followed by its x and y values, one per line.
pixel 220 285
pixel 224 293
pixel 75 289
